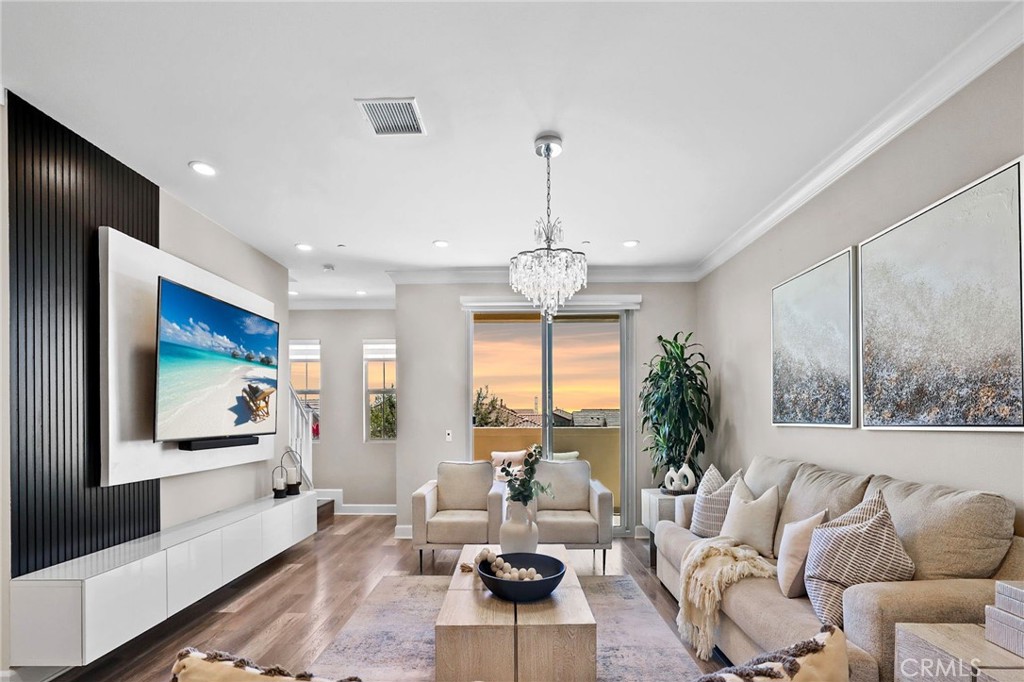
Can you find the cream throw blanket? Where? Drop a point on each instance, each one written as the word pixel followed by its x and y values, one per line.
pixel 708 567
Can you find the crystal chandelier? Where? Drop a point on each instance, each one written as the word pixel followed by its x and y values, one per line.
pixel 548 276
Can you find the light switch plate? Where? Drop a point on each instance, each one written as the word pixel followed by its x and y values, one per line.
pixel 448 435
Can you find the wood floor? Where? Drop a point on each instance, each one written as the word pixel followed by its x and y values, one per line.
pixel 289 610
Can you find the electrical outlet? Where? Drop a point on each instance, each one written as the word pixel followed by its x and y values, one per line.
pixel 448 435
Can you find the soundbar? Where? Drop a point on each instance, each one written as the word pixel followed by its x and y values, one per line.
pixel 212 443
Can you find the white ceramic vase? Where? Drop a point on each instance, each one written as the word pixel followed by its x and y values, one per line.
pixel 519 532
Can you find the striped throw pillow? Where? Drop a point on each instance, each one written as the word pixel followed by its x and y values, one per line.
pixel 712 503
pixel 861 546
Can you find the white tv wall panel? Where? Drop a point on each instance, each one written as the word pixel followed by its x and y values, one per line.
pixel 194 570
pixel 73 613
pixel 129 276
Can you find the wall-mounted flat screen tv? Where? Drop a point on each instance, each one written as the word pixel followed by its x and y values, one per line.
pixel 216 371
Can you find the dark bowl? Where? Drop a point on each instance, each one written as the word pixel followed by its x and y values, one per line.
pixel 521 591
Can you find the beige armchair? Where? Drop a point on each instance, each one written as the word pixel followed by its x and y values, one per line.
pixel 464 505
pixel 579 515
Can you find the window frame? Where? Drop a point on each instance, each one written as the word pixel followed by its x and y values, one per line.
pixel 373 351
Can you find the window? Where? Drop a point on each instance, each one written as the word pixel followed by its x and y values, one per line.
pixel 379 363
pixel 305 376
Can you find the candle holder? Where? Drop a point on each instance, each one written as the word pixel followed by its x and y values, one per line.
pixel 292 487
pixel 276 481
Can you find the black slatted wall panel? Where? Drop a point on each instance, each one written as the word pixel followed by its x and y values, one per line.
pixel 61 190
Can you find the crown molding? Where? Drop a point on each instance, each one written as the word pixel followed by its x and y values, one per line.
pixel 595 274
pixel 375 303
pixel 989 44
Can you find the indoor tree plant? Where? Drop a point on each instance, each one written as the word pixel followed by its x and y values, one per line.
pixel 675 406
pixel 519 532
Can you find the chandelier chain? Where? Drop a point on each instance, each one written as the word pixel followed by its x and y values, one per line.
pixel 547 157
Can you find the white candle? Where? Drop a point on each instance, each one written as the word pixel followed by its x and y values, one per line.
pixel 293 475
pixel 278 481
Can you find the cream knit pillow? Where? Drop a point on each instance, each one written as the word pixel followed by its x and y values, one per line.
pixel 796 542
pixel 751 521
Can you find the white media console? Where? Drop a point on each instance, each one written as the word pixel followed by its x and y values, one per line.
pixel 73 613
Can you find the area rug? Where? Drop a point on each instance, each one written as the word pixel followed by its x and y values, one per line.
pixel 390 637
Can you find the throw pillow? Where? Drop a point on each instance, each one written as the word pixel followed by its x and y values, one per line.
pixel 565 456
pixel 712 503
pixel 821 659
pixel 498 458
pixel 215 666
pixel 861 546
pixel 796 541
pixel 751 521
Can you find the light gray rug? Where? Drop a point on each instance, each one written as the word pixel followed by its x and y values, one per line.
pixel 390 637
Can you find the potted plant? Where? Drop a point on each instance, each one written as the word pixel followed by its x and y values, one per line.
pixel 519 532
pixel 675 408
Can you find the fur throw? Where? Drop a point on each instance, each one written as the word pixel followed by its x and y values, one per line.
pixel 709 567
pixel 216 666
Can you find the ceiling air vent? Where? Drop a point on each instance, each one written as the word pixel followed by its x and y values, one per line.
pixel 392 115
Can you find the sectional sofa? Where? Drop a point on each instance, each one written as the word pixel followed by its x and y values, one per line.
pixel 961 542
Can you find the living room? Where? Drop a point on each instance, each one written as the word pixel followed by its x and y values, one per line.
pixel 512 341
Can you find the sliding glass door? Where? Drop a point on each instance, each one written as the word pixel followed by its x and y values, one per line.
pixel 558 384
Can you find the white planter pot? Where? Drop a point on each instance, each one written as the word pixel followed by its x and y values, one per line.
pixel 519 532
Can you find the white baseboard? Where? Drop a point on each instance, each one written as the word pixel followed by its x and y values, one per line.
pixel 641 533
pixel 336 494
pixel 366 509
pixel 32 674
pixel 403 532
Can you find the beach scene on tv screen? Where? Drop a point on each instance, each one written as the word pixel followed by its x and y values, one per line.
pixel 217 371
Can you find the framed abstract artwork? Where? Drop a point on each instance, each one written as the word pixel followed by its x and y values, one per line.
pixel 813 346
pixel 942 342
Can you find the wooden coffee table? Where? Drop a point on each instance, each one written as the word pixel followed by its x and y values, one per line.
pixel 480 637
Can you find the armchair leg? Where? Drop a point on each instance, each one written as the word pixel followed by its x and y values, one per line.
pixel 421 562
pixel 604 561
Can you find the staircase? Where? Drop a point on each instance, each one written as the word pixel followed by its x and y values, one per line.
pixel 301 423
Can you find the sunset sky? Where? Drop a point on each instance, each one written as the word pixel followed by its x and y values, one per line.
pixel 507 358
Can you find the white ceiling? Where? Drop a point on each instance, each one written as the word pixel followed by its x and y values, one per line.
pixel 686 126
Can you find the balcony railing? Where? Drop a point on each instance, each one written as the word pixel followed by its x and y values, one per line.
pixel 597 445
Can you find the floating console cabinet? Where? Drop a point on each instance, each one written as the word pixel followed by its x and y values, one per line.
pixel 73 613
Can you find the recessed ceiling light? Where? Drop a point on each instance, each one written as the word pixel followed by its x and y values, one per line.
pixel 440 243
pixel 341 246
pixel 303 247
pixel 202 168
pixel 631 243
pixel 328 267
pixel 293 293
pixel 585 242
pixel 360 292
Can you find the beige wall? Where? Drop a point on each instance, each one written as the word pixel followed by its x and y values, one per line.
pixel 432 332
pixel 973 133
pixel 342 459
pixel 195 238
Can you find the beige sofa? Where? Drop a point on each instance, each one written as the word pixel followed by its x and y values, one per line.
pixel 464 505
pixel 960 541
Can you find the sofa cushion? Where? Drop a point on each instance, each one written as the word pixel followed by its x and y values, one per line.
pixel 712 502
pixel 767 616
pixel 672 541
pixel 815 489
pixel 796 542
pixel 752 521
pixel 566 527
pixel 764 472
pixel 458 526
pixel 1012 567
pixel 949 533
pixel 570 485
pixel 463 485
pixel 861 546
